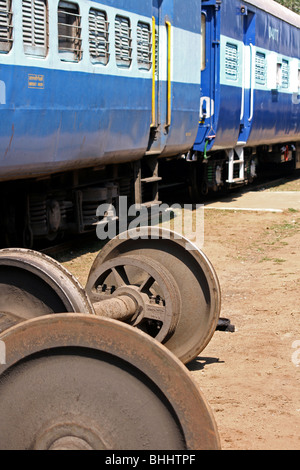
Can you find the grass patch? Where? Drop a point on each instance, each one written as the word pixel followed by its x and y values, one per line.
pixel 275 260
pixel 265 258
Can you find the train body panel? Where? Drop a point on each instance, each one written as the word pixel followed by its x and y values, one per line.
pixel 64 108
pixel 92 93
pixel 70 127
pixel 250 81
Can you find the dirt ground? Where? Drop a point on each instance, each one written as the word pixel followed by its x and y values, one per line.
pixel 251 377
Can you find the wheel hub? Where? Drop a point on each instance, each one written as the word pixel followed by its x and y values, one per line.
pixel 69 435
pixel 148 284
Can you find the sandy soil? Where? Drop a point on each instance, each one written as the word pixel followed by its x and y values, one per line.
pixel 251 377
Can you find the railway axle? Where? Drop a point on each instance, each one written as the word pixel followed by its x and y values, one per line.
pixel 77 374
pixel 172 283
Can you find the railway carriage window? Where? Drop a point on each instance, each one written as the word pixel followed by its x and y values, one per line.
pixel 144 46
pixel 203 42
pixel 285 74
pixel 231 61
pixel 6 27
pixel 123 41
pixel 35 27
pixel 98 37
pixel 279 74
pixel 69 32
pixel 260 68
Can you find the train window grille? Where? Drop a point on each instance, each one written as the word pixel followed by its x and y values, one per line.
pixel 123 42
pixel 144 46
pixel 231 61
pixel 98 37
pixel 6 26
pixel 279 74
pixel 285 74
pixel 69 32
pixel 260 68
pixel 35 27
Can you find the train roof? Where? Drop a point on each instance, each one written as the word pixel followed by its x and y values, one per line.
pixel 278 10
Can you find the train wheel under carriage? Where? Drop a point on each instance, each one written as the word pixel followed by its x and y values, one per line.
pixel 33 284
pixel 190 274
pixel 97 384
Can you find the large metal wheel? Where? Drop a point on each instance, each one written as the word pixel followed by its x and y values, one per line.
pixel 33 284
pixel 190 274
pixel 148 284
pixel 83 382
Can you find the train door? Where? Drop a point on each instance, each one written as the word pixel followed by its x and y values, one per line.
pixel 248 78
pixel 209 73
pixel 160 61
pixel 176 75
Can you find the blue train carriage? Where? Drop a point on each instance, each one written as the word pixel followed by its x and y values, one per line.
pixel 250 106
pixel 92 93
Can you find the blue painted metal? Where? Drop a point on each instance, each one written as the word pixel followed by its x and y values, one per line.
pixel 58 116
pixel 276 112
pixel 249 39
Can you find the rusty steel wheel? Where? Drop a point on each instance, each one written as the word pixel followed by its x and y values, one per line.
pixel 82 382
pixel 190 273
pixel 148 284
pixel 33 284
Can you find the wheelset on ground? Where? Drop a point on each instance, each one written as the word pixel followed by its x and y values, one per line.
pixel 76 381
pixel 73 376
pixel 173 286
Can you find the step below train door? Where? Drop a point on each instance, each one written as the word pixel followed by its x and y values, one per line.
pixel 146 171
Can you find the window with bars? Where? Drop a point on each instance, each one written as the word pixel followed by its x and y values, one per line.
pixel 123 41
pixel 6 27
pixel 231 61
pixel 35 27
pixel 260 68
pixel 278 74
pixel 69 32
pixel 144 46
pixel 98 37
pixel 285 71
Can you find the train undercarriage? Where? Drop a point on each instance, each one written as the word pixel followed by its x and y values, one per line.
pixel 49 207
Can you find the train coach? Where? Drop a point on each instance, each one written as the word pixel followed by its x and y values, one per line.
pixel 101 99
pixel 87 89
pixel 250 103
